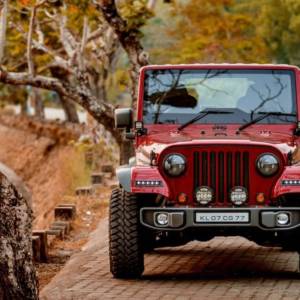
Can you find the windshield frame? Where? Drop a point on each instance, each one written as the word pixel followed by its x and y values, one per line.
pixel 294 79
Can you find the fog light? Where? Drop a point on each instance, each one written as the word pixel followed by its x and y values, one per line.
pixel 238 195
pixel 204 195
pixel 282 219
pixel 162 219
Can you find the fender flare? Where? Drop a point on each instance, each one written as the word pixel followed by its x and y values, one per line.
pixel 124 177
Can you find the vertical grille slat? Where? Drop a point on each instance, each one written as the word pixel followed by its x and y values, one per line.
pixel 213 175
pixel 229 172
pixel 237 180
pixel 246 170
pixel 196 170
pixel 204 169
pixel 221 176
pixel 221 170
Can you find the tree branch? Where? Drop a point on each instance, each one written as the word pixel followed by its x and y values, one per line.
pixel 151 4
pixel 83 44
pixel 67 39
pixel 59 61
pixel 29 41
pixel 40 34
pixel 3 24
pixel 95 34
pixel 84 34
pixel 129 39
pixel 30 36
pixel 101 111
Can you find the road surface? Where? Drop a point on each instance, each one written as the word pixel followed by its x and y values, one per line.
pixel 223 268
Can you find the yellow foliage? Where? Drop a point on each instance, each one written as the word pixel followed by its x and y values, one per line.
pixel 135 12
pixel 213 31
pixel 279 25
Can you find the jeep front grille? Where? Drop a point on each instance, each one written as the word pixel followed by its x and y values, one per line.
pixel 221 171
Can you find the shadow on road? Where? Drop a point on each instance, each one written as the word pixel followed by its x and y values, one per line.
pixel 229 262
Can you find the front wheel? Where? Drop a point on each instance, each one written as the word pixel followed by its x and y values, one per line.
pixel 125 245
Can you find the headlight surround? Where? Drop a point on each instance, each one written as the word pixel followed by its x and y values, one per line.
pixel 174 164
pixel 267 164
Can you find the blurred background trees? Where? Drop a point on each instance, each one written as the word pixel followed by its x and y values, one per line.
pixel 72 54
pixel 210 31
pixel 279 26
pixel 82 50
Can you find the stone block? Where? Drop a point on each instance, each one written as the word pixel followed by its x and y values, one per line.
pixel 42 234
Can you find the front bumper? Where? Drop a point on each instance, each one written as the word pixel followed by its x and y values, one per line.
pixel 182 218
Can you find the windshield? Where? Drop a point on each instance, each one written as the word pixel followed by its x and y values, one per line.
pixel 177 96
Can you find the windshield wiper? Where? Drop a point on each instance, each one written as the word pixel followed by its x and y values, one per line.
pixel 266 114
pixel 201 115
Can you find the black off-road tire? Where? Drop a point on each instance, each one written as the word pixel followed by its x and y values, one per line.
pixel 125 244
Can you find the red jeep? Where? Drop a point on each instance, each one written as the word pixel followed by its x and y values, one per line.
pixel 217 153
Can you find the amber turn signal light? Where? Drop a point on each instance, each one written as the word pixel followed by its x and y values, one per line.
pixel 182 198
pixel 260 198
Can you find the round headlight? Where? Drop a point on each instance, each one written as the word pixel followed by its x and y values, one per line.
pixel 174 164
pixel 238 195
pixel 268 164
pixel 204 195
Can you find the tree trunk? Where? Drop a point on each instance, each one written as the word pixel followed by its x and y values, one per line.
pixel 37 103
pixel 24 107
pixel 17 272
pixel 3 25
pixel 70 110
pixel 126 151
pixel 68 106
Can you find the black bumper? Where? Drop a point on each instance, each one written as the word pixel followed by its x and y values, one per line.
pixel 183 218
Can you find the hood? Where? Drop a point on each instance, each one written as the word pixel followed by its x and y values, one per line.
pixel 160 137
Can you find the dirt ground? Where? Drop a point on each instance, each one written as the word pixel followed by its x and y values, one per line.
pixel 52 168
pixel 37 160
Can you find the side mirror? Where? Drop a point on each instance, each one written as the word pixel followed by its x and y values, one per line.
pixel 123 118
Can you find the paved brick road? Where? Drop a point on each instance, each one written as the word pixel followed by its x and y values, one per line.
pixel 224 268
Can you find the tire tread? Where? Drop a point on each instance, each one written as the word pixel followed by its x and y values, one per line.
pixel 125 249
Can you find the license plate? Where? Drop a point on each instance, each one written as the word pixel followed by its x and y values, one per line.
pixel 222 217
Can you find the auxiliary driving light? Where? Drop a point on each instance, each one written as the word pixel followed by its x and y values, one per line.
pixel 204 195
pixel 139 125
pixel 162 219
pixel 238 195
pixel 282 219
